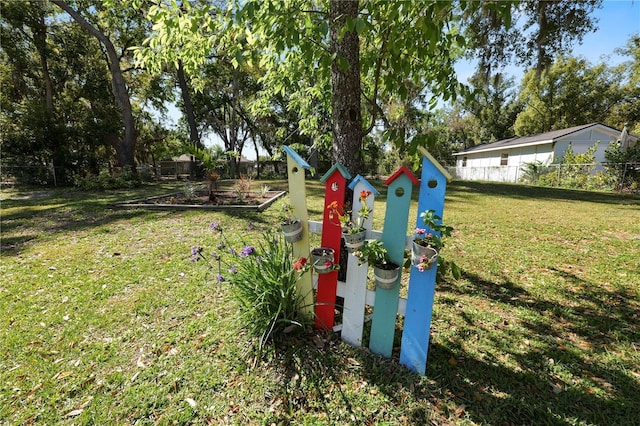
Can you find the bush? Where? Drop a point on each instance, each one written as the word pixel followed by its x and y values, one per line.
pixel 105 180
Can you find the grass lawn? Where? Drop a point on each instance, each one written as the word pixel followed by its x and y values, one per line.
pixel 103 319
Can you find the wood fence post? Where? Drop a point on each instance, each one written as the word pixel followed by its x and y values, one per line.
pixel 417 320
pixel 296 167
pixel 335 181
pixel 394 238
pixel 355 292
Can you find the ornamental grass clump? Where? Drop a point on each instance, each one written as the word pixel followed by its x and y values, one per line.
pixel 262 280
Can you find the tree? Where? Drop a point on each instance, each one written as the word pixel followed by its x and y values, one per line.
pixel 572 92
pixel 125 147
pixel 349 56
pixel 494 107
pixel 627 111
pixel 545 28
pixel 53 112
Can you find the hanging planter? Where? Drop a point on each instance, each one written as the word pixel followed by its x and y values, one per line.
pixel 292 231
pixel 423 257
pixel 323 260
pixel 354 240
pixel 386 275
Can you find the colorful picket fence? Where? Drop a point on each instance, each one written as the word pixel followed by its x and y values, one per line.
pixel 387 304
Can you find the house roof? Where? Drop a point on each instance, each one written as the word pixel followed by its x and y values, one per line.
pixel 183 158
pixel 540 138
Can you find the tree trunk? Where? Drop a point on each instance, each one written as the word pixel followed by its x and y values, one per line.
pixel 345 88
pixel 233 122
pixel 194 136
pixel 125 148
pixel 40 41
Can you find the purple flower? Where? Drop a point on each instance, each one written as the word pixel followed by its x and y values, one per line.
pixel 215 227
pixel 250 225
pixel 232 251
pixel 220 245
pixel 232 270
pixel 215 255
pixel 196 251
pixel 220 278
pixel 247 250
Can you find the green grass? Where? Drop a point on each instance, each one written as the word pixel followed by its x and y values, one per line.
pixel 103 319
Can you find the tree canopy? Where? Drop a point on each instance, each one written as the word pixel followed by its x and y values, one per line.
pixel 347 79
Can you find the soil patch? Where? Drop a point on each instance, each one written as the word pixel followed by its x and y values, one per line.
pixel 221 200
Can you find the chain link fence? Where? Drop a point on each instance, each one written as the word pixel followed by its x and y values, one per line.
pixel 613 176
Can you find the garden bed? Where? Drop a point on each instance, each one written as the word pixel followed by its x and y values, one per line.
pixel 221 200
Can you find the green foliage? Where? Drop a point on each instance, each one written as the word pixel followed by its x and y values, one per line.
pixel 571 93
pixel 545 29
pixel 373 253
pixel 213 159
pixel 264 285
pixel 575 169
pixel 623 167
pixel 283 38
pixel 532 172
pixel 106 180
pixel 435 231
pixel 433 236
pixel 571 171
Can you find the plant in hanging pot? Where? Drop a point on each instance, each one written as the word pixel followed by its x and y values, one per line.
pixel 353 232
pixel 385 271
pixel 323 260
pixel 426 245
pixel 291 227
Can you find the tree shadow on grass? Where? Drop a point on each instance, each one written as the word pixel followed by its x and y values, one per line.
pixel 537 373
pixel 561 375
pixel 30 217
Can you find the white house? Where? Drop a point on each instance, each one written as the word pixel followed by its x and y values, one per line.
pixel 502 161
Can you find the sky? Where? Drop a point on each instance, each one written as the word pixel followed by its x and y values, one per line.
pixel 618 20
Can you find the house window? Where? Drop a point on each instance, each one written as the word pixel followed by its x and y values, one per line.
pixel 464 161
pixel 504 159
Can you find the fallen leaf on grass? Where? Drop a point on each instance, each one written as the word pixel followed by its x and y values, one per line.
pixel 191 402
pixel 318 342
pixel 74 413
pixel 62 375
pixel 556 387
pixel 460 411
pixel 353 361
pixel 34 389
pixel 453 362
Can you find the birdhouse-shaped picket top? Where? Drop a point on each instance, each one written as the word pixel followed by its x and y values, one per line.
pixel 335 181
pixel 433 186
pixel 365 182
pixel 417 323
pixel 297 160
pixel 400 186
pixel 336 168
pixel 402 171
